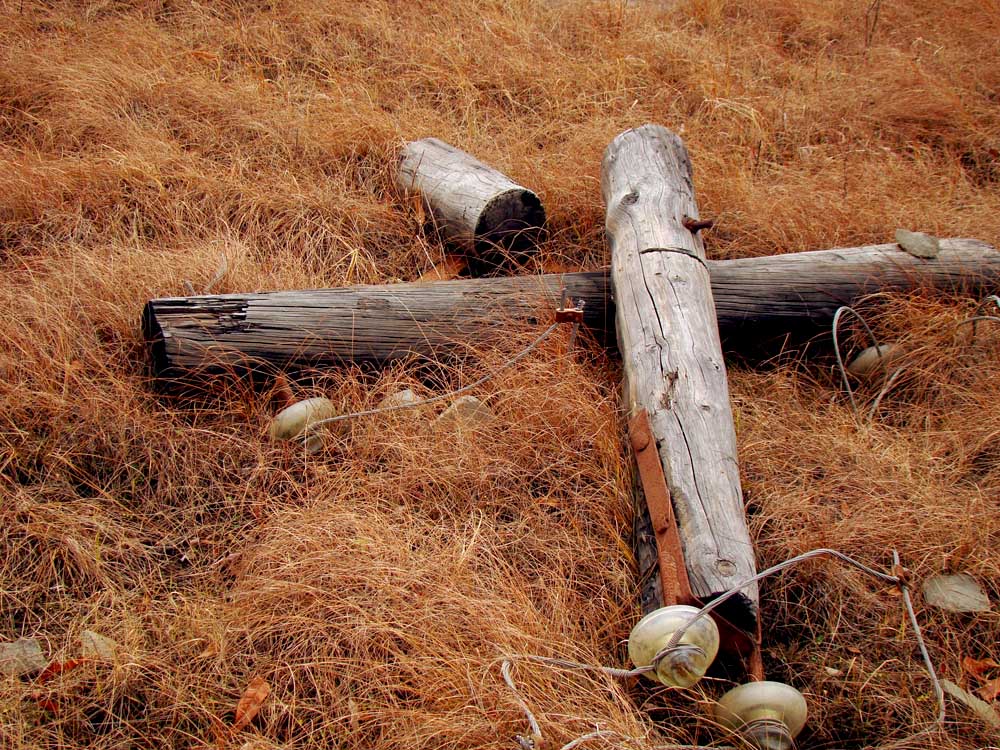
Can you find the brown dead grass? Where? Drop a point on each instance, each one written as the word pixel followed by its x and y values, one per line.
pixel 375 586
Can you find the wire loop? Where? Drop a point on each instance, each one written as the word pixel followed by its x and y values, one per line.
pixel 674 643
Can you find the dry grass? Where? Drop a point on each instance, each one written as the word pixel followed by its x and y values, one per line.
pixel 375 586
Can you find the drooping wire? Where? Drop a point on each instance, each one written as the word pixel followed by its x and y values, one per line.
pixel 599 734
pixel 440 397
pixel 532 740
pixel 890 380
pixel 823 552
pixel 886 387
pixel 722 598
pixel 674 642
pixel 569 664
pixel 938 690
pixel 836 349
pixel 976 317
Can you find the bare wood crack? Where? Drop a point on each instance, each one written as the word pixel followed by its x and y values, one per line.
pixel 677 377
pixel 683 251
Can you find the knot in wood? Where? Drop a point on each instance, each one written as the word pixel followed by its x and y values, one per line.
pixel 725 567
pixel 630 199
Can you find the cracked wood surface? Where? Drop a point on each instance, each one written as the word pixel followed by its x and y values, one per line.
pixel 672 356
pixel 374 325
pixel 193 337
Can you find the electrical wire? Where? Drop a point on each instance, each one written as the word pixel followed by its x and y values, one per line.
pixel 621 674
pixel 890 380
pixel 674 642
pixel 836 349
pixel 434 399
pixel 895 580
pixel 599 734
pixel 887 386
pixel 721 599
pixel 530 742
pixel 938 690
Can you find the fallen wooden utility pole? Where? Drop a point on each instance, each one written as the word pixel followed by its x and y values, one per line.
pixel 373 325
pixel 473 206
pixel 672 357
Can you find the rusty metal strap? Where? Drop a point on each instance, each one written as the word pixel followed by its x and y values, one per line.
pixel 674 582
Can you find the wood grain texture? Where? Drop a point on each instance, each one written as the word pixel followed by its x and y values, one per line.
pixel 374 325
pixel 192 337
pixel 672 356
pixel 474 206
pixel 805 289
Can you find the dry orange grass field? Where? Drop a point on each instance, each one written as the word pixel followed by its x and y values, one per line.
pixel 374 587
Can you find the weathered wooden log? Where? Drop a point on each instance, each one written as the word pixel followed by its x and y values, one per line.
pixel 365 325
pixel 802 291
pixel 473 206
pixel 672 357
pixel 373 325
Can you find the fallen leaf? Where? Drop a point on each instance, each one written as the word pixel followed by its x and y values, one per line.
pixel 978 667
pixel 22 657
pixel 990 690
pixel 58 667
pixel 249 705
pixel 96 646
pixel 918 244
pixel 955 593
pixel 984 710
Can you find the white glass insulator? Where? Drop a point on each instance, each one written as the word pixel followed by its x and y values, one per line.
pixel 291 421
pixel 699 645
pixel 761 703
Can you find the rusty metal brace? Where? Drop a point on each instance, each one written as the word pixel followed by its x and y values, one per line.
pixel 675 585
pixel 566 314
pixel 696 225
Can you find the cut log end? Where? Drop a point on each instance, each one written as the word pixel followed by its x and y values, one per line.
pixel 511 222
pixel 152 333
pixel 472 206
pixel 740 610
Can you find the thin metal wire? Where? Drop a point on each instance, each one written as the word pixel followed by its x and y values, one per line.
pixel 599 734
pixel 836 349
pixel 536 731
pixel 889 382
pixel 568 664
pixel 822 552
pixel 974 320
pixel 995 299
pixel 938 690
pixel 674 641
pixel 434 399
pixel 895 580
